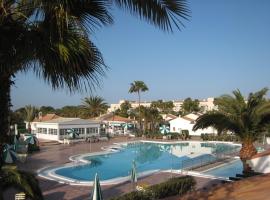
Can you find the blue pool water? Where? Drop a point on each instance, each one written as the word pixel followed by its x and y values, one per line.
pixel 227 170
pixel 147 156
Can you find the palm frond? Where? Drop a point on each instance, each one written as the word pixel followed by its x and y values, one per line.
pixel 73 62
pixel 217 120
pixel 22 180
pixel 161 13
pixel 138 86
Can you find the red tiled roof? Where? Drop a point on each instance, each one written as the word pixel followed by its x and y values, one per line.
pixel 186 118
pixel 171 116
pixel 117 118
pixel 46 117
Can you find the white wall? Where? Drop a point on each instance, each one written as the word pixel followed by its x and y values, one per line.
pixel 47 126
pixel 179 124
pixel 62 126
pixel 260 164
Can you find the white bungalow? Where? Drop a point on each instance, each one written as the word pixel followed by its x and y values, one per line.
pixel 57 128
pixel 186 123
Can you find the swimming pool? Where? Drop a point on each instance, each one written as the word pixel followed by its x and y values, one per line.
pixel 228 170
pixel 148 156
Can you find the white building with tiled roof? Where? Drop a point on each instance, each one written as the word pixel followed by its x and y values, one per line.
pixel 58 128
pixel 186 123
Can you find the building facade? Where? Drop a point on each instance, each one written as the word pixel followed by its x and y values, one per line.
pixel 186 123
pixel 59 128
pixel 205 104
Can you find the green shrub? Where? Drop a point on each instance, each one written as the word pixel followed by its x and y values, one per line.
pixel 32 148
pixel 136 195
pixel 153 135
pixel 222 137
pixel 174 186
pixel 175 135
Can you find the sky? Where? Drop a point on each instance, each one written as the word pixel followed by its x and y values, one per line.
pixel 224 46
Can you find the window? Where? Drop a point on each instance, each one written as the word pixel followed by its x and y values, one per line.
pixel 42 130
pixel 93 130
pixel 80 131
pixel 52 131
pixel 63 131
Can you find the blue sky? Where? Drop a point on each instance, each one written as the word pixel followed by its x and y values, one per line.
pixel 224 46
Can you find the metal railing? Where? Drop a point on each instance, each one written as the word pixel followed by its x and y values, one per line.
pixel 197 162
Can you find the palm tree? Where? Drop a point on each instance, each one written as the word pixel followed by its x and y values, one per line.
pixel 138 87
pixel 53 39
pixel 94 106
pixel 30 114
pixel 21 180
pixel 247 119
pixel 151 117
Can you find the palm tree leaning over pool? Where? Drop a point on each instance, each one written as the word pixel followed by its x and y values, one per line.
pixel 94 106
pixel 138 87
pixel 53 39
pixel 247 119
pixel 30 114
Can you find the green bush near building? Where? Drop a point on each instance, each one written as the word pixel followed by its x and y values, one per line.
pixel 172 187
pixel 222 137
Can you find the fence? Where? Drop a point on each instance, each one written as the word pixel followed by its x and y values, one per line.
pixel 194 163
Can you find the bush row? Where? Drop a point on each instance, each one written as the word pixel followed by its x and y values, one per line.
pixel 173 135
pixel 174 186
pixel 223 137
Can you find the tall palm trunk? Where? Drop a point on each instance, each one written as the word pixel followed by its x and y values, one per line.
pixel 5 83
pixel 140 115
pixel 29 127
pixel 247 151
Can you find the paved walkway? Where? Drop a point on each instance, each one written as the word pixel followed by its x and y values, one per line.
pixel 52 155
pixel 254 188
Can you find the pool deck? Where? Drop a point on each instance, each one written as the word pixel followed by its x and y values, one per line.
pixel 253 188
pixel 57 154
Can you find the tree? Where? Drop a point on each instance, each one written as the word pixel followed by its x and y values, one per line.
pixel 47 110
pixel 94 106
pixel 30 114
pixel 21 180
pixel 138 87
pixel 164 107
pixel 70 111
pixel 53 38
pixel 151 117
pixel 124 109
pixel 190 106
pixel 247 119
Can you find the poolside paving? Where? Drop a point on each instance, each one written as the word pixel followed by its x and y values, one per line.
pixel 253 188
pixel 57 154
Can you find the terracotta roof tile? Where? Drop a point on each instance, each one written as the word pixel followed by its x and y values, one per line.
pixel 117 118
pixel 46 117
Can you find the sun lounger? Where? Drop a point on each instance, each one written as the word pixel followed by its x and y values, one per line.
pixel 103 139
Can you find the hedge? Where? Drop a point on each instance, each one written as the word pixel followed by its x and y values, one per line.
pixel 172 187
pixel 223 137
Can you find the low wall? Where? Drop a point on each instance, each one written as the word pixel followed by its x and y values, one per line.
pixel 47 136
pixel 260 162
